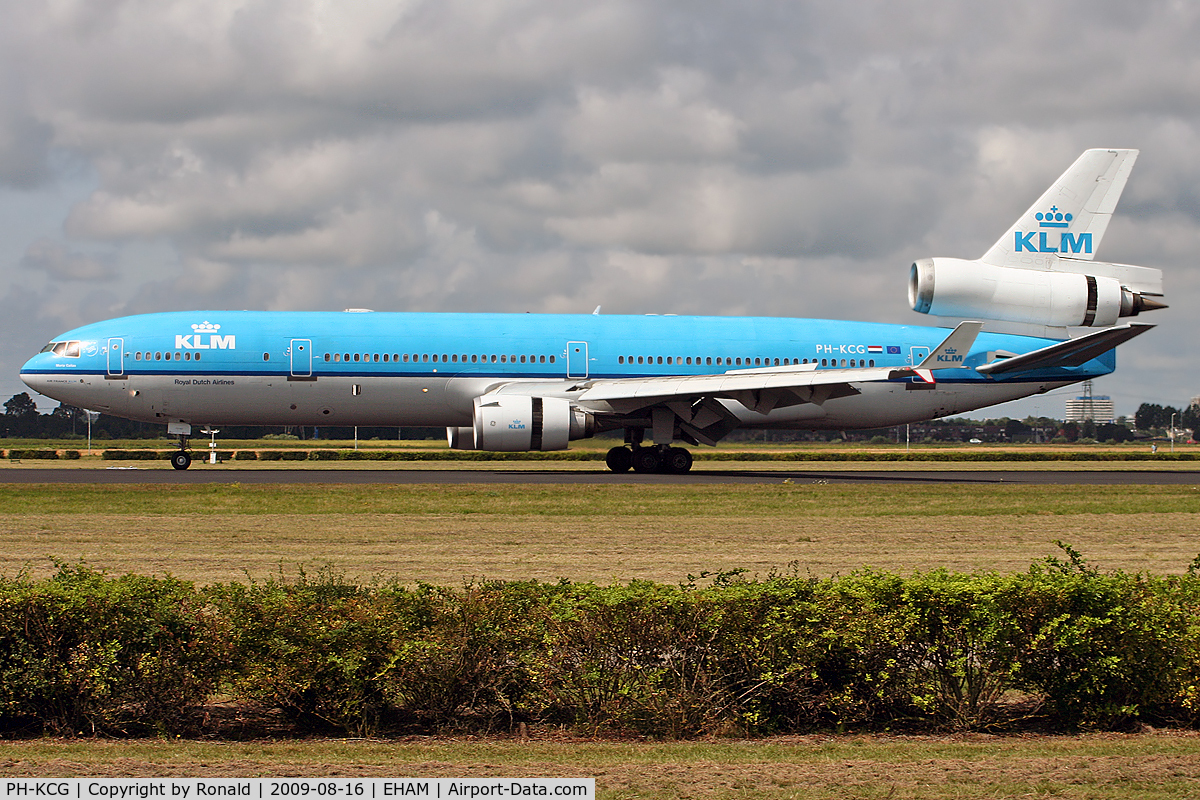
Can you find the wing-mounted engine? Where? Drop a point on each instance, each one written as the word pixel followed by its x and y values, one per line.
pixel 517 423
pixel 1042 272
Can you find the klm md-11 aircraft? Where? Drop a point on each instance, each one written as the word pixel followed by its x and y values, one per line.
pixel 515 382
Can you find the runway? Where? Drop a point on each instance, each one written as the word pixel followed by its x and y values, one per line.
pixel 598 476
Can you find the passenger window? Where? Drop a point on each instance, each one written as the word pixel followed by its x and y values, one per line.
pixel 375 358
pixel 137 356
pixel 660 359
pixel 196 357
pixel 187 356
pixel 822 362
pixel 843 362
pixel 425 357
pixel 551 359
pixel 357 356
pixel 872 363
pixel 542 359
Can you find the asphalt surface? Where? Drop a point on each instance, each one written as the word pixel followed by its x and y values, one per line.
pixel 597 476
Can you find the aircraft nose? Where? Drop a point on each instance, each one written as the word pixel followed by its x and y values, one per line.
pixel 30 377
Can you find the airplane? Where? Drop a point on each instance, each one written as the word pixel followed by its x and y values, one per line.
pixel 535 382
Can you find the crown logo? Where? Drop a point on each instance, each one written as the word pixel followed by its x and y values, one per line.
pixel 206 327
pixel 1053 219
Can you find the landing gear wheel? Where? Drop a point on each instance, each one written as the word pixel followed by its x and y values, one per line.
pixel 181 460
pixel 677 460
pixel 619 459
pixel 646 460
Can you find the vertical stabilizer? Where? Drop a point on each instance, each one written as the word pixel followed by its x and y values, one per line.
pixel 1069 220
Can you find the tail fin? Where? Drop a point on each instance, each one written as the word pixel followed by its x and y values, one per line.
pixel 1071 217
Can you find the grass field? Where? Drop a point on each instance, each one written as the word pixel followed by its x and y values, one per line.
pixel 445 534
pixel 1091 767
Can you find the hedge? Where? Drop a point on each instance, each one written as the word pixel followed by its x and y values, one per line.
pixel 596 455
pixel 1061 646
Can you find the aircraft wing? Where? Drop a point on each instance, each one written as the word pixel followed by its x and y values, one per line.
pixel 1071 353
pixel 693 399
pixel 766 388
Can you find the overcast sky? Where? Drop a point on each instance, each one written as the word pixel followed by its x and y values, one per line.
pixel 765 158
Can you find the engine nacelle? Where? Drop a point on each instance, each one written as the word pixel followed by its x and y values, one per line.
pixel 516 423
pixel 952 287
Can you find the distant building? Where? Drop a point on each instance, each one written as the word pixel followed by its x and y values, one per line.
pixel 1097 408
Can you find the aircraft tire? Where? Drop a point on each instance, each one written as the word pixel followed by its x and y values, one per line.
pixel 677 460
pixel 619 459
pixel 646 460
pixel 181 460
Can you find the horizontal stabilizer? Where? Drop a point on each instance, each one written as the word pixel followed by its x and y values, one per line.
pixel 1071 353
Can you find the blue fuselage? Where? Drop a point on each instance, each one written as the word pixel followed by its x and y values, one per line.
pixel 345 368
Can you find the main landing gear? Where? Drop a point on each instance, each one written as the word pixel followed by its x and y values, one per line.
pixel 182 459
pixel 656 459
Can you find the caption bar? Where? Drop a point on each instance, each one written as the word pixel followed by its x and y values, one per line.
pixel 293 788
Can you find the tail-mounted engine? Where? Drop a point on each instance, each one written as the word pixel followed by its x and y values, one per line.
pixel 515 423
pixel 1066 293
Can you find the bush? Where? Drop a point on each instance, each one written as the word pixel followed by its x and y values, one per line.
pixel 33 454
pixel 245 455
pixel 135 455
pixel 1061 644
pixel 313 649
pixel 83 653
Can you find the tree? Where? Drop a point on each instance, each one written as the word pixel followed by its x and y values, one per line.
pixel 21 407
pixel 1191 417
pixel 1148 416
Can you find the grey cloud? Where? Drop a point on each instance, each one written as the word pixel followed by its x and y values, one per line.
pixel 665 156
pixel 59 263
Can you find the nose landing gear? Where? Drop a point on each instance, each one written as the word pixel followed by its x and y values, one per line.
pixel 182 459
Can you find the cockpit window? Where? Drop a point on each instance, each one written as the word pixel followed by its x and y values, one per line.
pixel 72 350
pixel 59 347
pixel 49 347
